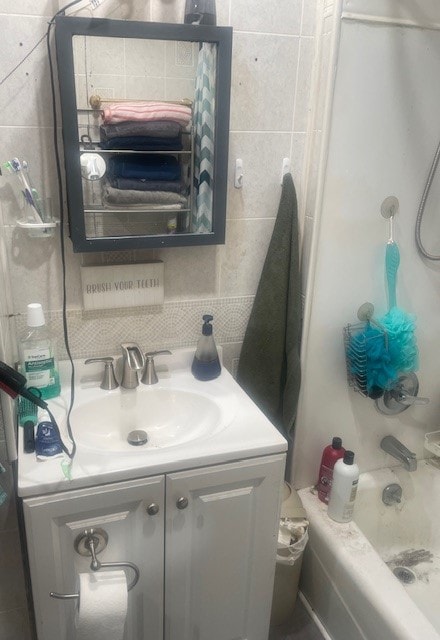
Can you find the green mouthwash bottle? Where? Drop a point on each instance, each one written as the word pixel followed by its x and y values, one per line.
pixel 37 355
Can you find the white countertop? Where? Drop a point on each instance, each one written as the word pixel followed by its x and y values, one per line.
pixel 247 434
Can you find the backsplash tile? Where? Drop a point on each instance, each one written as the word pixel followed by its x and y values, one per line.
pixel 173 325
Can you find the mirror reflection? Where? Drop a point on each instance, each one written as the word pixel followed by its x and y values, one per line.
pixel 146 114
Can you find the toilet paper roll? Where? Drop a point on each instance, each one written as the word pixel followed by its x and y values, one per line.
pixel 102 607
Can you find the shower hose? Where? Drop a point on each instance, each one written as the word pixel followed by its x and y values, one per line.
pixel 421 210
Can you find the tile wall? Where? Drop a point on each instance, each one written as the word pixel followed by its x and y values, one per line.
pixel 273 54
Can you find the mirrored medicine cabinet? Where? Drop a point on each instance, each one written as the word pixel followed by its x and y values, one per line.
pixel 145 119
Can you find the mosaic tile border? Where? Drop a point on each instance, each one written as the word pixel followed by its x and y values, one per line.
pixel 173 325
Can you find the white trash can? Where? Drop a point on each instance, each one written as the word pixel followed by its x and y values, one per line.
pixel 292 540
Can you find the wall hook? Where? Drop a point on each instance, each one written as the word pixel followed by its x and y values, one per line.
pixel 285 168
pixel 238 180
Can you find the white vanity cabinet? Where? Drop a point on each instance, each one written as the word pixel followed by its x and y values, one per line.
pixel 53 522
pixel 206 556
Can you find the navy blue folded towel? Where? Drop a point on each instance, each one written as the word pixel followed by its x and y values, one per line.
pixel 140 167
pixel 175 186
pixel 143 143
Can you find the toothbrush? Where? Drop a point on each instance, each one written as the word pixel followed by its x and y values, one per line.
pixel 38 203
pixel 16 168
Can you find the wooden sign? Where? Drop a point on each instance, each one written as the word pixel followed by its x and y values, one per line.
pixel 123 285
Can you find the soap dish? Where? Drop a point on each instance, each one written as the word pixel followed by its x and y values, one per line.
pixel 432 442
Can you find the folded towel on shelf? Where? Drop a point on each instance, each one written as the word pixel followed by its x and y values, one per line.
pixel 153 129
pixel 175 186
pixel 112 196
pixel 143 143
pixel 269 366
pixel 123 111
pixel 155 167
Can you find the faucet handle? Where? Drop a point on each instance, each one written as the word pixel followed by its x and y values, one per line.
pixel 401 396
pixel 152 354
pixel 150 375
pixel 109 381
pixel 406 399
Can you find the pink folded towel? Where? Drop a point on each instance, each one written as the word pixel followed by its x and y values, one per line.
pixel 146 111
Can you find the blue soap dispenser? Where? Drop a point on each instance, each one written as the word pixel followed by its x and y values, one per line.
pixel 206 363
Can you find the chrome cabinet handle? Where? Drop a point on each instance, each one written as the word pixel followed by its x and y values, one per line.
pixel 182 503
pixel 153 509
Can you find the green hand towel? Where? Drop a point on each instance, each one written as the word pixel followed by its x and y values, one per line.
pixel 269 366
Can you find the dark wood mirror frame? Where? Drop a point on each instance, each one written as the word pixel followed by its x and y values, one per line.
pixel 66 29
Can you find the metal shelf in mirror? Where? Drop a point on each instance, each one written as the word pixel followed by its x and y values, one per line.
pixel 145 111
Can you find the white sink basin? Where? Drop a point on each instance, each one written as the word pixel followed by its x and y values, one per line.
pixel 189 424
pixel 170 417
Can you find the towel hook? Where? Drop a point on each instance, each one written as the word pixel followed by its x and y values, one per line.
pixel 90 543
pixel 285 168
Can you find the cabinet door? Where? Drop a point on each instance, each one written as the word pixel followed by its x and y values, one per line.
pixel 52 524
pixel 220 550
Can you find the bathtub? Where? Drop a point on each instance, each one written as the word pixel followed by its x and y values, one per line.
pixel 347 575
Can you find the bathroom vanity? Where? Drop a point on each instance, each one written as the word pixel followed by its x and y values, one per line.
pixel 197 515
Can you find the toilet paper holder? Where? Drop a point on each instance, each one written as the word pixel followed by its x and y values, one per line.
pixel 89 543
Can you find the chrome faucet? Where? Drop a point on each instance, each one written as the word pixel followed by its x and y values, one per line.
pixel 395 448
pixel 133 360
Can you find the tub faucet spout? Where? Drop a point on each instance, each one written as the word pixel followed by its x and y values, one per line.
pixel 395 448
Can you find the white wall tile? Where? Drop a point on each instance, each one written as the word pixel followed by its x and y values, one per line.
pixel 283 16
pixel 243 255
pixel 263 82
pixel 297 155
pixel 25 96
pixel 167 10
pixel 302 95
pixel 35 269
pixel 189 272
pixel 223 8
pixel 310 11
pixel 29 7
pixel 144 57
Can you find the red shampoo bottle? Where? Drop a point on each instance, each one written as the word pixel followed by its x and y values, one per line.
pixel 330 456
